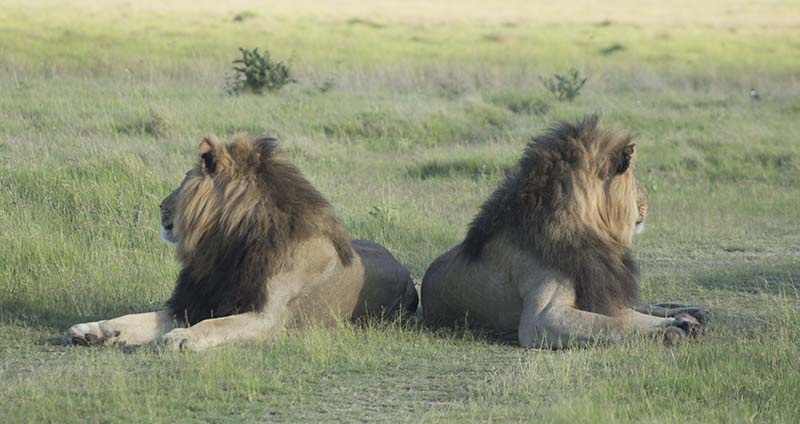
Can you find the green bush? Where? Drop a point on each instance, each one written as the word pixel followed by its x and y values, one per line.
pixel 565 87
pixel 256 73
pixel 245 15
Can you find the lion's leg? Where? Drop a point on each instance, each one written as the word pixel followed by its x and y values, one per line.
pixel 127 330
pixel 250 326
pixel 562 326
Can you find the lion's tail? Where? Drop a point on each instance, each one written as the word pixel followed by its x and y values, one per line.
pixel 410 307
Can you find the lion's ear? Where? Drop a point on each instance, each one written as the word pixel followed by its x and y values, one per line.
pixel 208 153
pixel 624 158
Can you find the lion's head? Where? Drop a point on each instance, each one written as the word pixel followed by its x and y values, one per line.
pixel 573 202
pixel 168 217
pixel 233 219
pixel 641 204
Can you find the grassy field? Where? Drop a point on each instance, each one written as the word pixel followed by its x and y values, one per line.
pixel 405 115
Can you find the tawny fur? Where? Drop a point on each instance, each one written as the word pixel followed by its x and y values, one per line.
pixel 546 261
pixel 237 224
pixel 571 210
pixel 262 252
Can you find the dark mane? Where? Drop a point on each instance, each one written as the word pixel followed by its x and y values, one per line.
pixel 535 206
pixel 250 219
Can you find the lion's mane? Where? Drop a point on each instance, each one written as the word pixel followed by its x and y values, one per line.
pixel 240 211
pixel 556 205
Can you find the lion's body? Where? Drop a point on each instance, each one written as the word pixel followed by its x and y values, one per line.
pixel 546 261
pixel 477 294
pixel 373 285
pixel 262 252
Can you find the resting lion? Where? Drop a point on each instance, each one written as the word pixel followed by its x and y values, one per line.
pixel 261 252
pixel 546 261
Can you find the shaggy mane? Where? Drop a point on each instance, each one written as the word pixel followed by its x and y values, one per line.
pixel 240 215
pixel 540 206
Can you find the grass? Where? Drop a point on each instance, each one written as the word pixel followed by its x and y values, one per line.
pixel 423 111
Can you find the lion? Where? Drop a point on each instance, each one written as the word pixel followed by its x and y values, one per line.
pixel 546 262
pixel 262 252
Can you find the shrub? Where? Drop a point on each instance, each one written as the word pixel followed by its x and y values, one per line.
pixel 565 87
pixel 247 14
pixel 257 73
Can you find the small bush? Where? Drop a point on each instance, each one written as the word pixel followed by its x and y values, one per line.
pixel 247 14
pixel 565 87
pixel 257 73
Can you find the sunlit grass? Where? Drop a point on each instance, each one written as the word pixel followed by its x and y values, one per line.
pixel 416 111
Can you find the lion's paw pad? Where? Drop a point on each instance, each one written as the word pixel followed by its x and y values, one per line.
pixel 86 334
pixel 178 339
pixel 689 324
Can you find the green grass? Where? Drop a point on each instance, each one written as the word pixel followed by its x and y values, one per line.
pixel 406 116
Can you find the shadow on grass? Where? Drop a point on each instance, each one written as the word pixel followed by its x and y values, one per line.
pixel 776 279
pixel 781 282
pixel 475 168
pixel 51 320
pixel 743 299
pixel 782 279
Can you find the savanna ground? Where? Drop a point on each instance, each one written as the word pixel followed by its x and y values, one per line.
pixel 405 115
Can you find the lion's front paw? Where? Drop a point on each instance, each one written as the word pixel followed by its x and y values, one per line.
pixel 90 334
pixel 689 324
pixel 179 339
